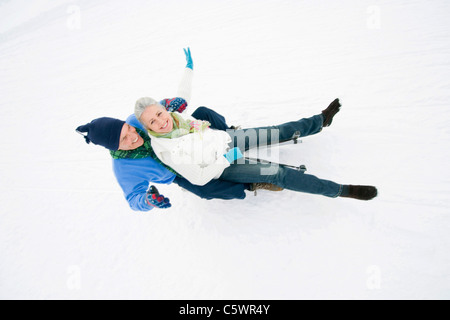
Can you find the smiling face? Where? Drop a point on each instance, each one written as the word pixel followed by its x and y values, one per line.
pixel 129 138
pixel 157 119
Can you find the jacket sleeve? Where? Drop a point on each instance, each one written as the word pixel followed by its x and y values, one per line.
pixel 137 198
pixel 181 102
pixel 185 87
pixel 215 189
pixel 194 173
pixel 134 185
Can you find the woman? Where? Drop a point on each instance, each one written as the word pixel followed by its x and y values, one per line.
pixel 200 154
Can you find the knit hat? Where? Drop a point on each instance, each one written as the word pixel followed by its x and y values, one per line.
pixel 103 131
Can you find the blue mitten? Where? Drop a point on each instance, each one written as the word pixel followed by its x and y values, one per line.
pixel 156 200
pixel 233 155
pixel 189 64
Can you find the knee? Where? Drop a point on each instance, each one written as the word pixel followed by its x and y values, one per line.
pixel 274 173
pixel 282 174
pixel 200 113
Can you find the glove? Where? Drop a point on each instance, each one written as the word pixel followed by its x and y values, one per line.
pixel 156 200
pixel 189 64
pixel 233 155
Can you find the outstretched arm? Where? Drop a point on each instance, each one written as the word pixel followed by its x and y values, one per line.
pixel 134 177
pixel 181 101
pixel 185 87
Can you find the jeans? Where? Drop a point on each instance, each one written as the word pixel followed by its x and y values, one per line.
pixel 280 175
pixel 246 139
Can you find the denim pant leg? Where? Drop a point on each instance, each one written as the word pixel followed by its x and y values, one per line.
pixel 284 177
pixel 217 121
pixel 263 136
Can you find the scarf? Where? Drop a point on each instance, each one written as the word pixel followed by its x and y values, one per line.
pixel 143 151
pixel 182 127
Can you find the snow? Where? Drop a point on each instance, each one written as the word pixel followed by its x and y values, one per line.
pixel 66 231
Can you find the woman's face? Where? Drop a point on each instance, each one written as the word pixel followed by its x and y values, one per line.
pixel 157 119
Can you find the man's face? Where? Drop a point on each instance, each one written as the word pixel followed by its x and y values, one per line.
pixel 129 138
pixel 157 119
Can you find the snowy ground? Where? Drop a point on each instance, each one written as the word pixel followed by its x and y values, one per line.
pixel 66 231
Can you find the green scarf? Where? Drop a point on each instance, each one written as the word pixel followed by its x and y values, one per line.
pixel 143 151
pixel 182 127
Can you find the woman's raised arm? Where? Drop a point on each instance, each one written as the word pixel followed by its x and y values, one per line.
pixel 185 87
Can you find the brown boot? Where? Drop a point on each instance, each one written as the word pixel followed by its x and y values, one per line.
pixel 264 186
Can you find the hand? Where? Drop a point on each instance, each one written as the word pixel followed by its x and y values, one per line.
pixel 189 64
pixel 233 155
pixel 156 200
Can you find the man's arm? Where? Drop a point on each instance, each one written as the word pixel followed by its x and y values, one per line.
pixel 137 199
pixel 134 177
pixel 215 189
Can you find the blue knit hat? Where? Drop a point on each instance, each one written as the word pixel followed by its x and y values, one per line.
pixel 103 131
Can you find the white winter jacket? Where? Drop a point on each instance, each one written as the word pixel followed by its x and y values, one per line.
pixel 198 157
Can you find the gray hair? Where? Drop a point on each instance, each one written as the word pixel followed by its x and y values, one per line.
pixel 141 105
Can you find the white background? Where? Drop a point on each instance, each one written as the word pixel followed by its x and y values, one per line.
pixel 66 231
